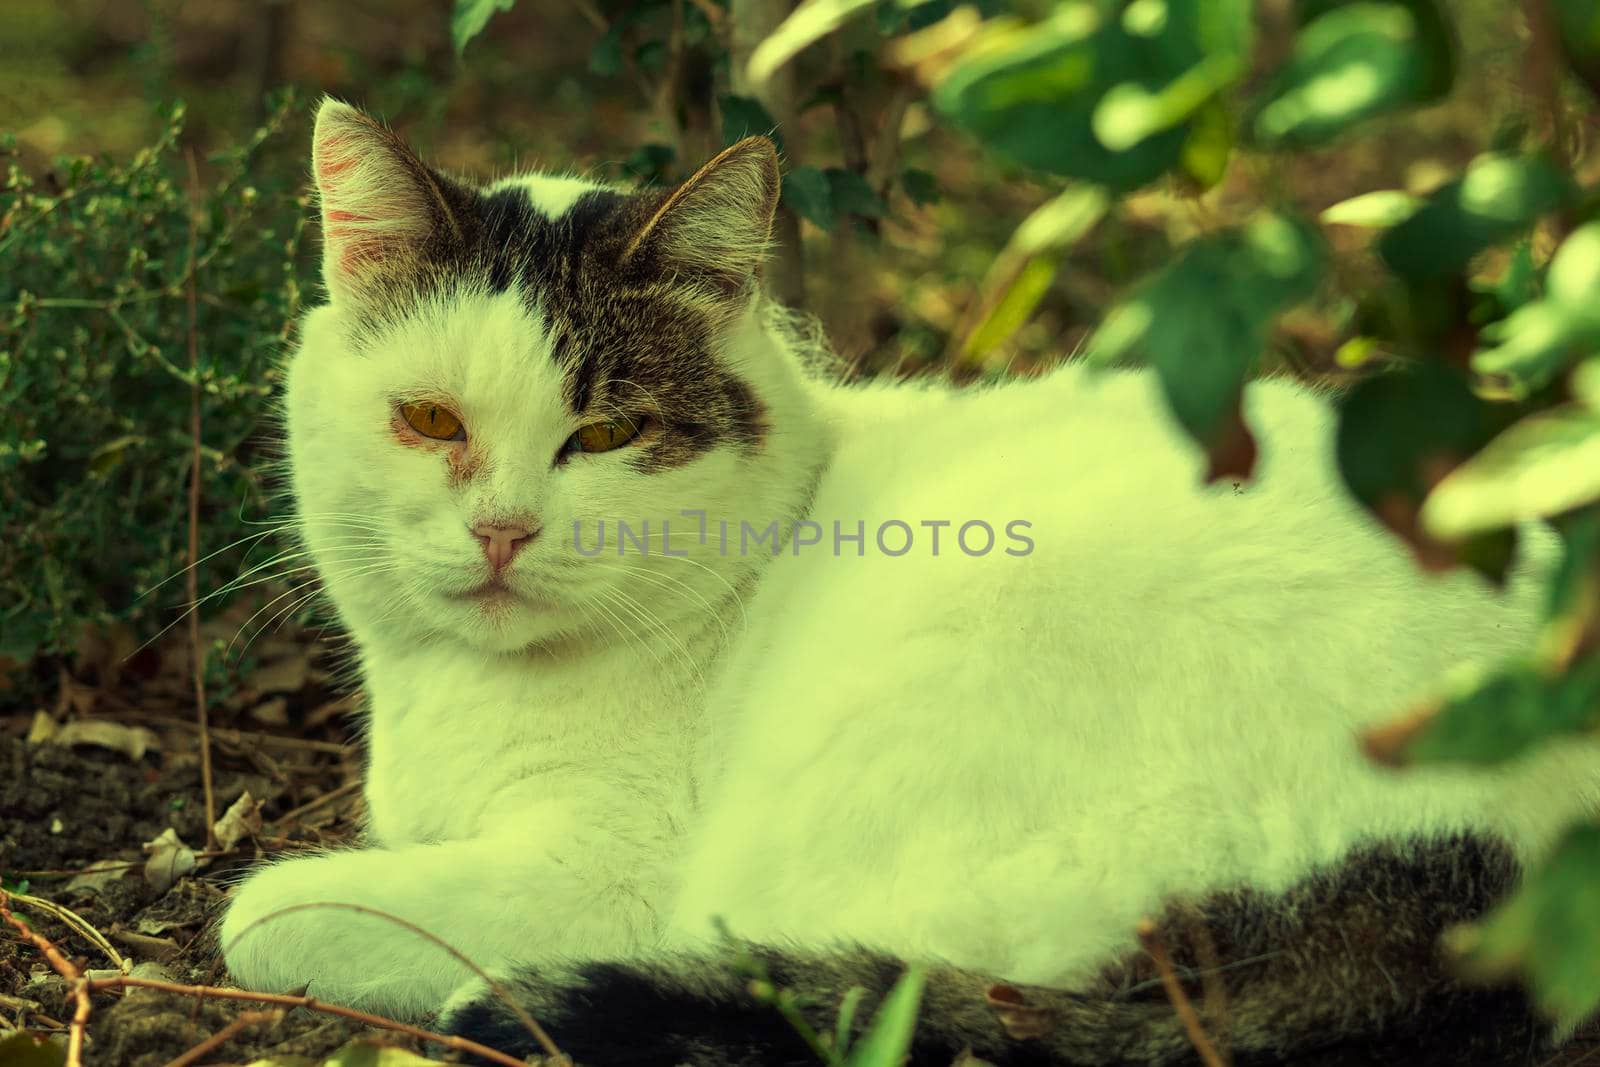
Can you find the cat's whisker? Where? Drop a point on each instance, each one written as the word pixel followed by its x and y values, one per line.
pixel 239 584
pixel 233 585
pixel 682 586
pixel 733 590
pixel 673 641
pixel 370 568
pixel 627 632
pixel 180 572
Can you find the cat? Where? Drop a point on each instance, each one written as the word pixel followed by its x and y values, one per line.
pixel 660 625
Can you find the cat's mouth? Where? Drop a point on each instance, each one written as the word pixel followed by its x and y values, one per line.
pixel 492 592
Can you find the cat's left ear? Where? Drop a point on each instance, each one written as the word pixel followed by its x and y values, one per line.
pixel 385 213
pixel 715 228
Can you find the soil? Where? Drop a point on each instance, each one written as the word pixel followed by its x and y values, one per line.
pixel 67 805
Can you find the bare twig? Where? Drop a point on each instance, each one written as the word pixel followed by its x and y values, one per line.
pixel 197 659
pixel 1181 1004
pixel 495 987
pixel 309 1003
pixel 1209 964
pixel 592 13
pixel 884 155
pixel 18 1003
pixel 1544 69
pixel 63 967
pixel 75 922
pixel 223 733
pixel 73 872
pixel 312 805
pixel 244 1019
pixel 752 21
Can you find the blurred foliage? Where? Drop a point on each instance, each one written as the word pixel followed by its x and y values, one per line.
pixel 95 376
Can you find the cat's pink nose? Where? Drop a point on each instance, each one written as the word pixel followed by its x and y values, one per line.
pixel 500 543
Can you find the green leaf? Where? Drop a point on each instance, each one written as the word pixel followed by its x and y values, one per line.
pixel 1549 930
pixel 744 116
pixel 805 25
pixel 1399 434
pixel 1130 113
pixel 1533 344
pixel 886 1043
pixel 1202 323
pixel 1350 63
pixel 1209 145
pixel 1585 383
pixel 650 163
pixel 1104 99
pixel 31 1050
pixel 363 1052
pixel 1508 714
pixel 920 185
pixel 1498 197
pixel 852 195
pixel 469 17
pixel 1541 339
pixel 651 56
pixel 1578 26
pixel 1545 464
pixel 1014 306
pixel 1023 271
pixel 806 190
pixel 1575 587
pixel 605 58
pixel 1381 208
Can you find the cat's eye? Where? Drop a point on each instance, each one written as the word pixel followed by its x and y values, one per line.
pixel 602 436
pixel 431 420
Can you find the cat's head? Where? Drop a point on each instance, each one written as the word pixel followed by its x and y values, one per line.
pixel 501 367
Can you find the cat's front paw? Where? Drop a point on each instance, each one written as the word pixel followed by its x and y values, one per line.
pixel 280 934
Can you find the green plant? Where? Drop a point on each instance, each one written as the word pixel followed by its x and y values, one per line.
pixel 95 378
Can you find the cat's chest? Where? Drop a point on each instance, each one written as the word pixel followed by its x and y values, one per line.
pixel 459 748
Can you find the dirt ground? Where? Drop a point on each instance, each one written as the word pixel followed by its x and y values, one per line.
pixel 125 771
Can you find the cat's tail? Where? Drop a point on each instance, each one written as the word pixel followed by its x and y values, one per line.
pixel 1341 970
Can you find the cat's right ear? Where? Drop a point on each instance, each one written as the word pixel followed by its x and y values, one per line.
pixel 384 211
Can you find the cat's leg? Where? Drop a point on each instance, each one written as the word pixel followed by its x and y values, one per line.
pixel 497 899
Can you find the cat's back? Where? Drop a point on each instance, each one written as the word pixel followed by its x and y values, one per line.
pixel 1072 507
pixel 1145 650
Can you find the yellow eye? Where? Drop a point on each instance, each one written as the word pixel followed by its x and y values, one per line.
pixel 603 436
pixel 431 420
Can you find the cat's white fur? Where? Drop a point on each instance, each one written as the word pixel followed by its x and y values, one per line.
pixel 999 760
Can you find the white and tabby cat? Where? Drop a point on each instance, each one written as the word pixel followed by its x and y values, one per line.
pixel 1007 679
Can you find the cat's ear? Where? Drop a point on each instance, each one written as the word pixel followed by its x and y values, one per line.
pixel 714 229
pixel 384 211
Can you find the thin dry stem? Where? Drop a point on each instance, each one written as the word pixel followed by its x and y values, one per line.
pixel 63 967
pixel 196 659
pixel 73 872
pixel 1181 1004
pixel 311 1004
pixel 1544 70
pixel 244 1019
pixel 329 797
pixel 72 920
